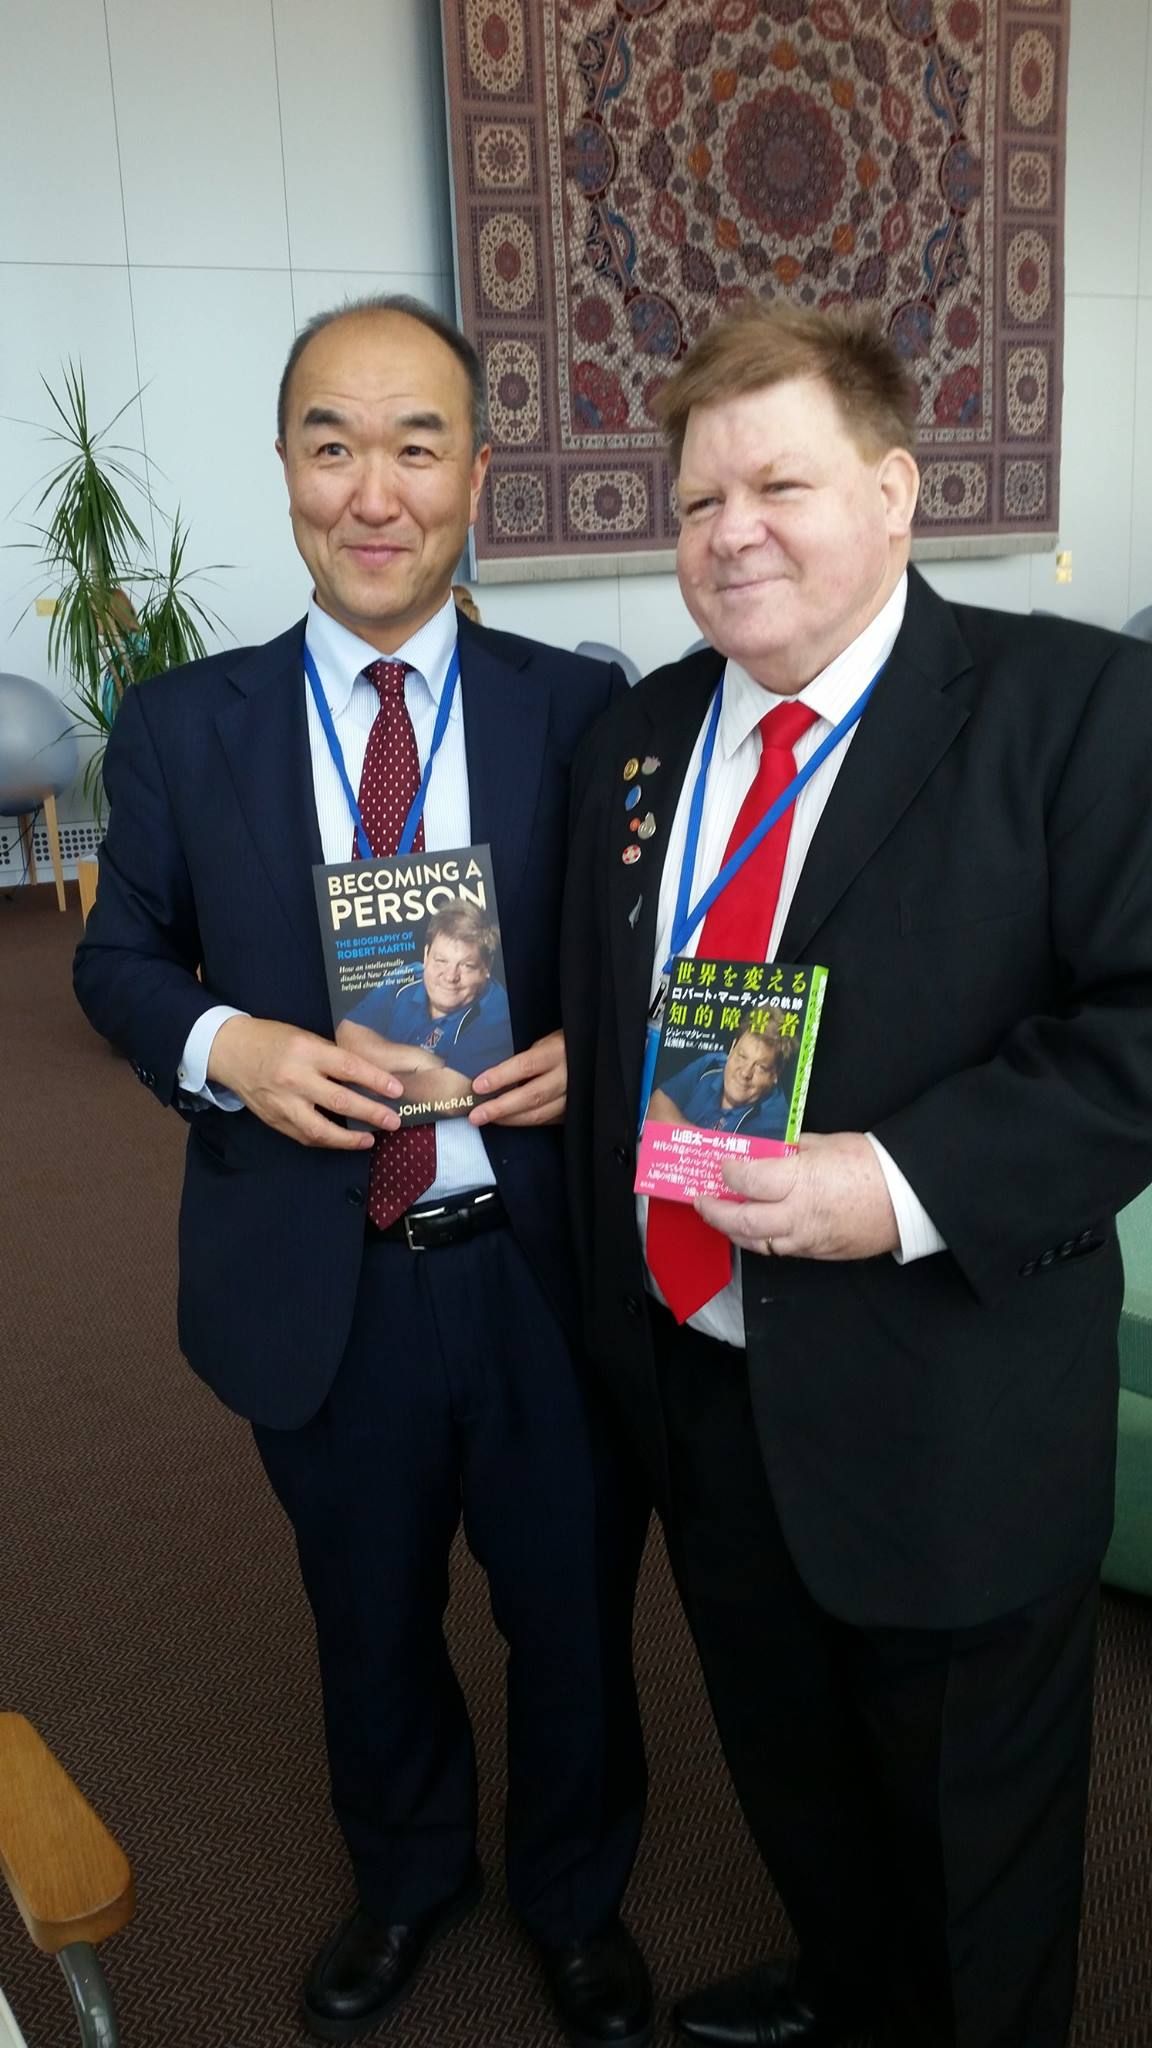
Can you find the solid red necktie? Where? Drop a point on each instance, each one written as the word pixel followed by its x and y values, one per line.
pixel 403 1162
pixel 689 1261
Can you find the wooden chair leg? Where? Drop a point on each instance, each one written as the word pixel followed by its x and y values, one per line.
pixel 52 822
pixel 27 823
pixel 87 873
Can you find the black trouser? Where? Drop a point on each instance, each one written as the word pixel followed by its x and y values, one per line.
pixel 918 1795
pixel 458 1395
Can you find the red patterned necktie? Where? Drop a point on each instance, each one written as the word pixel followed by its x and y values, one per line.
pixel 403 1162
pixel 689 1261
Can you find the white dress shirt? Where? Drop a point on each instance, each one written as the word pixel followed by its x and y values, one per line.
pixel 732 773
pixel 461 1160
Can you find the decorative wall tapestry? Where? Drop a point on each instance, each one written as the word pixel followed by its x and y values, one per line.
pixel 624 168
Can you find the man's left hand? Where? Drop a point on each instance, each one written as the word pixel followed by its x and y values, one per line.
pixel 827 1201
pixel 535 1084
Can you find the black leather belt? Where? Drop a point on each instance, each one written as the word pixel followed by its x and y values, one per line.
pixel 450 1221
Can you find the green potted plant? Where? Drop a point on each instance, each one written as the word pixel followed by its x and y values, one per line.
pixel 120 614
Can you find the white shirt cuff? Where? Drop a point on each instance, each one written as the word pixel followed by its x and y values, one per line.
pixel 192 1073
pixel 918 1233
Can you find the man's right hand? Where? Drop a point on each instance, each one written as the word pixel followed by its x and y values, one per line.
pixel 298 1083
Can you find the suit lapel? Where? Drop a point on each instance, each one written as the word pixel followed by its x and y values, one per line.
pixel 667 722
pixel 505 731
pixel 909 723
pixel 264 733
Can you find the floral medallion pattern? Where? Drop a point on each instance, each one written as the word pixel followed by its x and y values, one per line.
pixel 623 169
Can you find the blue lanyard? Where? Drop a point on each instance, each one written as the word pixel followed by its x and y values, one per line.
pixel 686 920
pixel 416 812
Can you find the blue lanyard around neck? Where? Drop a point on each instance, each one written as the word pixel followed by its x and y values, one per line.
pixel 416 811
pixel 686 920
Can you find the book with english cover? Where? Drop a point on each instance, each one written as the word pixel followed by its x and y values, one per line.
pixel 731 1073
pixel 416 972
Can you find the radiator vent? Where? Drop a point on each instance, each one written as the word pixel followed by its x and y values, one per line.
pixel 76 841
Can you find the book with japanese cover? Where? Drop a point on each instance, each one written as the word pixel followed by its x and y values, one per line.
pixel 731 1073
pixel 416 972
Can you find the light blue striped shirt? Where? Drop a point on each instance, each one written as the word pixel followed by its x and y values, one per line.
pixel 461 1160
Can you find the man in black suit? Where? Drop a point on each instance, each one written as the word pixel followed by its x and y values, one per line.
pixel 883 1440
pixel 391 1311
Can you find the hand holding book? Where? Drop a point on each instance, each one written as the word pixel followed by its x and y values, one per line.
pixel 730 1074
pixel 827 1200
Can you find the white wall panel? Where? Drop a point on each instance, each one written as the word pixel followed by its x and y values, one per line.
pixel 1146 184
pixel 363 136
pixel 199 132
pixel 656 624
pixel 1096 483
pixel 563 613
pixel 59 171
pixel 1108 64
pixel 1140 565
pixel 212 345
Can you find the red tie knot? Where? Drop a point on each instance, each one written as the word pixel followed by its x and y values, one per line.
pixel 780 729
pixel 387 677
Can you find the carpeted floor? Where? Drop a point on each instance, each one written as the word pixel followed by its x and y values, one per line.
pixel 152 1627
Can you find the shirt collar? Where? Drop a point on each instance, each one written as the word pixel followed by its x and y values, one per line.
pixel 340 655
pixel 831 694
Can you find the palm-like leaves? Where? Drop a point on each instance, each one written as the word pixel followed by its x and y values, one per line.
pixel 120 616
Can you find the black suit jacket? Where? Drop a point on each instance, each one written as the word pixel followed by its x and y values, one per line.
pixel 207 863
pixel 939 1437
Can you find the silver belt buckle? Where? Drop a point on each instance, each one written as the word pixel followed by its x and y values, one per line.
pixel 418 1216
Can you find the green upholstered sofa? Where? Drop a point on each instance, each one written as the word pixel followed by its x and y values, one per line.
pixel 1129 1560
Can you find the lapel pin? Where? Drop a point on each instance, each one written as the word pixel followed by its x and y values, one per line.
pixel 649 764
pixel 630 856
pixel 633 824
pixel 631 767
pixel 634 913
pixel 633 797
pixel 646 827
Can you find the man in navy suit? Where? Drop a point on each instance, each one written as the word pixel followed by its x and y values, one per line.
pixel 397 1376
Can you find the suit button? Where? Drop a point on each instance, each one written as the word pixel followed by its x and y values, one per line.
pixel 1027 1269
pixel 631 1305
pixel 1084 1240
pixel 1066 1250
pixel 622 1155
pixel 1047 1257
pixel 355 1196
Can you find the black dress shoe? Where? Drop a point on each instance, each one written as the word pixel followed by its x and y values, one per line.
pixel 763 2008
pixel 368 1966
pixel 601 1990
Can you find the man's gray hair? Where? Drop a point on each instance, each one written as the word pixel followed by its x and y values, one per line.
pixel 414 309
